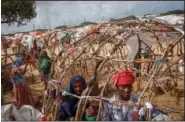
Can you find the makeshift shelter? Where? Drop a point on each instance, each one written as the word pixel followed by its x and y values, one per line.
pixel 145 46
pixel 98 55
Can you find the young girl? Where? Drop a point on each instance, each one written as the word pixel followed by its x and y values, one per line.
pixel 91 111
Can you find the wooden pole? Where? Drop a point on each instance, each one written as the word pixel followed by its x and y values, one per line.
pixel 32 74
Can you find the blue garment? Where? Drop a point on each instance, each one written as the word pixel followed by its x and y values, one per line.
pixel 18 78
pixel 69 105
pixel 114 112
pixel 18 59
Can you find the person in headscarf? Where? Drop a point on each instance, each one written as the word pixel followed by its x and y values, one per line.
pixel 45 67
pixel 123 81
pixel 69 104
pixel 21 89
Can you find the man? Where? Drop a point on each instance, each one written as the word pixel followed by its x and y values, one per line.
pixel 117 111
pixel 123 82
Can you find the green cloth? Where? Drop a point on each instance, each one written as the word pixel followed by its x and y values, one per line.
pixel 159 61
pixel 89 118
pixel 45 64
pixel 68 36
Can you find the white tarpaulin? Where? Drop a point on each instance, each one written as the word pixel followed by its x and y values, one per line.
pixel 25 113
pixel 172 19
pixel 132 47
pixel 27 41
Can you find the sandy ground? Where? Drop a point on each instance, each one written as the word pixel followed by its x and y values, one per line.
pixel 165 102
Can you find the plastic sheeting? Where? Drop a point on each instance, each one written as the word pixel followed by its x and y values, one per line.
pixel 27 41
pixel 172 19
pixel 132 47
pixel 25 113
pixel 161 117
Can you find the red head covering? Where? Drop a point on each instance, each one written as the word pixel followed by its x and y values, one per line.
pixel 123 77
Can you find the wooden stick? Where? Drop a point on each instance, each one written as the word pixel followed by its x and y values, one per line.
pixel 148 83
pixel 32 74
pixel 157 70
pixel 76 59
pixel 101 102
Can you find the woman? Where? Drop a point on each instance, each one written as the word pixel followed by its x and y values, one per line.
pixel 45 67
pixel 69 104
pixel 20 87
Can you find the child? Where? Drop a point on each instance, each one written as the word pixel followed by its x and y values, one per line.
pixel 91 111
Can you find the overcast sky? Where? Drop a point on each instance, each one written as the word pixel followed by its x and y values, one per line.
pixel 75 12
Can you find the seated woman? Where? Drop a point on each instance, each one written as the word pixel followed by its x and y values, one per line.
pixel 69 104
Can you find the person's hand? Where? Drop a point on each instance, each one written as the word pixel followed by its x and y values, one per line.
pixel 90 111
pixel 43 118
pixel 72 118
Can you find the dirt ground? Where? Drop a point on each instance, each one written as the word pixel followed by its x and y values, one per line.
pixel 163 101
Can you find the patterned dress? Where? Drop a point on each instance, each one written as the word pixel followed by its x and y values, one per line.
pixel 20 88
pixel 118 112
